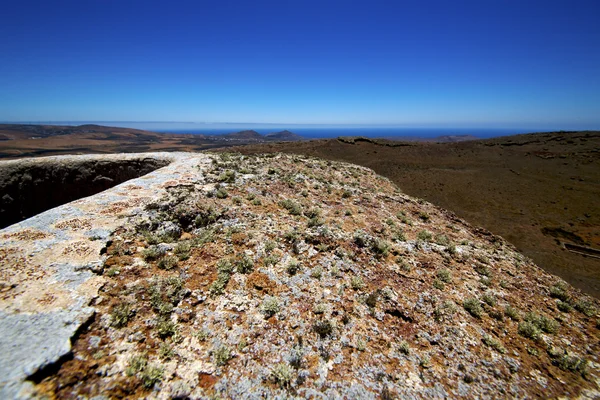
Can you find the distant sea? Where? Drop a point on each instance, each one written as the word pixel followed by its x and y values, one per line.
pixel 306 130
pixel 391 133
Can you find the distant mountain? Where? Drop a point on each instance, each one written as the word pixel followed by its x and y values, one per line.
pixel 244 135
pixel 283 136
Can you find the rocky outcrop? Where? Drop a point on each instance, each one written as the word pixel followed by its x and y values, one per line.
pixel 31 186
pixel 280 276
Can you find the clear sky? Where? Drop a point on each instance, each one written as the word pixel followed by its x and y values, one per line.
pixel 484 63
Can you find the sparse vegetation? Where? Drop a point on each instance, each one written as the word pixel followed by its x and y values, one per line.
pixel 444 275
pixel 493 343
pixel 585 307
pixel 316 272
pixel 120 315
pixel 404 347
pixel 323 328
pixel 473 307
pixel 282 374
pixel 293 267
pixel 357 283
pixel 424 236
pixel 270 306
pixel 167 262
pixel 244 264
pixel 221 355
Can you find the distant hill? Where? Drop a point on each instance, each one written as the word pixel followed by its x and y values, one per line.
pixel 243 135
pixel 44 140
pixel 286 136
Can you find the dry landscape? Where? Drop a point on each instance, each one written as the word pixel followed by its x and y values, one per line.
pixel 281 276
pixel 538 191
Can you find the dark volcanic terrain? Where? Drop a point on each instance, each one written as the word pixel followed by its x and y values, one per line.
pixel 539 191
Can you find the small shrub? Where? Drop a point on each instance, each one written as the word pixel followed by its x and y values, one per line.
pixel 380 247
pixel 201 335
pixel 291 236
pixel 136 364
pixel 293 267
pixel 270 260
pixel 182 250
pixel 291 206
pixel 316 272
pixel 424 235
pixel 404 347
pixel 221 355
pixel 529 330
pixel 485 281
pixel 120 315
pixel 493 343
pixel 244 264
pixel 489 299
pixel 563 306
pixel 425 362
pixel 270 306
pixel 167 262
pixel 227 176
pixel 282 374
pixel 312 213
pixel 473 307
pixel 323 328
pixel 224 266
pixel 315 221
pixel 319 308
pixel 542 322
pixel 442 240
pixel 372 298
pixel 219 285
pixel 496 314
pixel 566 362
pixel 152 253
pixel 357 283
pixel 361 345
pixel 399 235
pixel 559 291
pixel 165 351
pixel 112 272
pixel 585 307
pixel 221 193
pixel 423 216
pixel 444 275
pixel 447 308
pixel 360 239
pixel 166 328
pixel 270 245
pixel 483 270
pixel 438 284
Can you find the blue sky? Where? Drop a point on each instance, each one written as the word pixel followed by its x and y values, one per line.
pixel 481 63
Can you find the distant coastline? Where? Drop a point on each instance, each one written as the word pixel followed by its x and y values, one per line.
pixel 308 131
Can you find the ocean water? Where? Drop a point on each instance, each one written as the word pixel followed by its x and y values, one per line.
pixel 308 131
pixel 325 133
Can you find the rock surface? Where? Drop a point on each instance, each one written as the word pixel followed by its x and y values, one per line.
pixel 280 276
